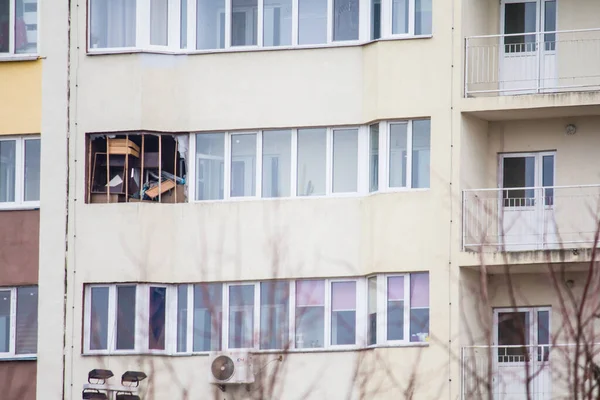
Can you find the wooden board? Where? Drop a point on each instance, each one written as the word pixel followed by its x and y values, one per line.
pixel 164 187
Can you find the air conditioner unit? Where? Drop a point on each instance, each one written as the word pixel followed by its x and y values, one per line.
pixel 231 368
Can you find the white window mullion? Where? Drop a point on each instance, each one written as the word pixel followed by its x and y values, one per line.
pixel 361 312
pixel 409 146
pixel 411 17
pixel 174 25
pixel 329 21
pixel 259 163
pixel 142 313
pixel 384 155
pixel 171 325
pixel 364 154
pixel 192 158
pixel 407 308
pixel 364 20
pixel 225 330
pixel 292 314
pixel 386 18
pixel 12 341
pixel 227 166
pixel 191 25
pixel 19 170
pixel 190 319
pixel 259 25
pixel 11 26
pixel 294 164
pixel 381 309
pixel 295 23
pixel 329 162
pixel 142 26
pixel 256 330
pixel 227 24
pixel 112 318
pixel 327 338
pixel 87 321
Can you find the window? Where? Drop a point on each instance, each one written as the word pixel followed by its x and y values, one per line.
pixel 18 322
pixel 210 153
pixel 306 314
pixel 19 172
pixel 243 165
pixel 373 158
pixel 409 154
pixel 277 163
pixel 312 154
pixel 345 160
pixel 162 25
pixel 18 26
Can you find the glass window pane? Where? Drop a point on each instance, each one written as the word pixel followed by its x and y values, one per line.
pixel 395 308
pixel 422 17
pixel 125 317
pixel 548 179
pixel 32 169
pixel 312 21
pixel 550 24
pixel 372 310
pixel 210 162
pixel 375 19
pixel 276 167
pixel 419 307
pixel 310 314
pixel 157 318
pixel 182 319
pixel 398 152
pixel 4 321
pixel 312 145
pixel 26 24
pixel 520 18
pixel 345 20
pixel 27 320
pixel 210 24
pixel 183 24
pixel 343 313
pixel 159 22
pixel 274 315
pixel 421 149
pixel 518 172
pixel 374 158
pixel 277 25
pixel 4 27
pixel 99 319
pixel 8 154
pixel 400 16
pixel 244 18
pixel 345 160
pixel 112 23
pixel 241 317
pixel 208 320
pixel 243 165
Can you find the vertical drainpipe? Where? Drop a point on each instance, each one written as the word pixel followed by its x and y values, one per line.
pixel 450 237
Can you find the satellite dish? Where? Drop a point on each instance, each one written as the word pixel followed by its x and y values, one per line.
pixel 222 368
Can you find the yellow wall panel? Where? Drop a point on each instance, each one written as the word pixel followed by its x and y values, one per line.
pixel 20 97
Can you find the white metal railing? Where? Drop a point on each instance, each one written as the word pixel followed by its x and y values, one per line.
pixel 530 218
pixel 537 62
pixel 540 371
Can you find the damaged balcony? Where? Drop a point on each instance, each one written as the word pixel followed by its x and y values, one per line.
pixel 137 167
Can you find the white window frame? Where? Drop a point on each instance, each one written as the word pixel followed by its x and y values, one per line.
pixel 19 202
pixel 12 341
pixel 12 54
pixel 174 28
pixel 142 314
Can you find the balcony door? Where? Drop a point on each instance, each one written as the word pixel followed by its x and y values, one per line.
pixel 522 349
pixel 525 66
pixel 527 201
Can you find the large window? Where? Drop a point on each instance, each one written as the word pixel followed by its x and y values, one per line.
pixel 18 27
pixel 19 172
pixel 307 314
pixel 209 25
pixel 409 154
pixel 18 322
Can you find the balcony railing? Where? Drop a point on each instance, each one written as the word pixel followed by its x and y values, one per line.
pixel 504 372
pixel 540 62
pixel 530 218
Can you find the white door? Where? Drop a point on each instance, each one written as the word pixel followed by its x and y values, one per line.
pixel 522 343
pixel 525 66
pixel 526 209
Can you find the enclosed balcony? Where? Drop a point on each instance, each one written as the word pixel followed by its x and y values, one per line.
pixel 540 46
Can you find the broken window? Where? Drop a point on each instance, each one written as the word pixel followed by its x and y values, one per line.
pixel 137 167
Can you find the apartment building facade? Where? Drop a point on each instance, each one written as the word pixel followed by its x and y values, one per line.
pixel 328 192
pixel 20 128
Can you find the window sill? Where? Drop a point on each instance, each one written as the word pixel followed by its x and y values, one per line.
pixel 19 207
pixel 19 57
pixel 18 358
pixel 247 49
pixel 344 349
